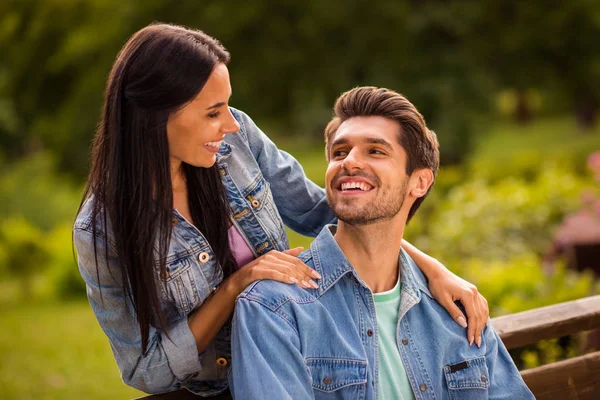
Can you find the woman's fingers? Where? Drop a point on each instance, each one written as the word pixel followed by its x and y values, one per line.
pixel 470 300
pixel 301 268
pixel 293 270
pixel 454 311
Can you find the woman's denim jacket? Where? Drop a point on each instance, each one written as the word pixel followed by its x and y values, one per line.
pixel 266 188
pixel 294 343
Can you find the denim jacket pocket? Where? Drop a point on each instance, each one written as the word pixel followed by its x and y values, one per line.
pixel 184 284
pixel 468 379
pixel 260 199
pixel 349 377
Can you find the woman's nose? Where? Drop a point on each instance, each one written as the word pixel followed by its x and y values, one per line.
pixel 231 125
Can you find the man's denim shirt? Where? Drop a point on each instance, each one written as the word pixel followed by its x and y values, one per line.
pixel 294 343
pixel 264 185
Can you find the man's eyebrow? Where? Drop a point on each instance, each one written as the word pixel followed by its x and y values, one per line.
pixel 380 141
pixel 370 140
pixel 339 141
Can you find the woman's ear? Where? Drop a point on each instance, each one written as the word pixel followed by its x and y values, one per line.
pixel 421 180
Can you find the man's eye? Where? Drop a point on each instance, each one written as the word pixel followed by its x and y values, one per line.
pixel 339 153
pixel 376 151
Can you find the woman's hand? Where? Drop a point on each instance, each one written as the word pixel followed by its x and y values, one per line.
pixel 447 288
pixel 282 266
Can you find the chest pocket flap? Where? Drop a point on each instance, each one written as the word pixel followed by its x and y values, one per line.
pixel 468 374
pixel 330 374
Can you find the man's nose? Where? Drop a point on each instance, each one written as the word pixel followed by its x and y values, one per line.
pixel 353 161
pixel 231 125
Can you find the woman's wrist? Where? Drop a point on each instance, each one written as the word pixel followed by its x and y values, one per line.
pixel 430 266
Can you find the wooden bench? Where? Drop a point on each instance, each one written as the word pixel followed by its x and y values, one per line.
pixel 575 378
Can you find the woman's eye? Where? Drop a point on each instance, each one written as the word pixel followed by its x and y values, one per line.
pixel 214 115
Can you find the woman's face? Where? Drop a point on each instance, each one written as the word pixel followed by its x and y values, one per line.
pixel 195 131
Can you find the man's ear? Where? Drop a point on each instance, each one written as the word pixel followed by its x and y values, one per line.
pixel 420 181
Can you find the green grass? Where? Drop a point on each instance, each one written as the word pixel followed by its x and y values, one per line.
pixel 56 351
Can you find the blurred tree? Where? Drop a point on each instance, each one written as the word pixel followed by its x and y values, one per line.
pixel 543 44
pixel 23 253
pixel 291 59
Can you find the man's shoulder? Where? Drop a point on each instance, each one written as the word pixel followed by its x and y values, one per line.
pixel 275 294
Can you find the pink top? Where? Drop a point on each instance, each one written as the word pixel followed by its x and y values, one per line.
pixel 240 249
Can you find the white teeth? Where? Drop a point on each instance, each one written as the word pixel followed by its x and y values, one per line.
pixel 356 185
pixel 214 144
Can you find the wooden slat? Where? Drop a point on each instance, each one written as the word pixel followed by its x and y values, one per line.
pixel 549 322
pixel 183 394
pixel 575 378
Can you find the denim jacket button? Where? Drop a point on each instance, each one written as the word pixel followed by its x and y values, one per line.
pixel 203 257
pixel 174 221
pixel 483 378
pixel 221 362
pixel 255 203
pixel 405 341
pixel 327 380
pixel 423 387
pixel 369 333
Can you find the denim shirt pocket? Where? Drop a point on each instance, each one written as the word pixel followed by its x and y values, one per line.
pixel 347 378
pixel 468 379
pixel 184 283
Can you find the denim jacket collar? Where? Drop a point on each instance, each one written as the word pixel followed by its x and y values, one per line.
pixel 224 152
pixel 332 264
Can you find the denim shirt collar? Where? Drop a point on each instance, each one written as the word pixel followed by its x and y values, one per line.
pixel 332 264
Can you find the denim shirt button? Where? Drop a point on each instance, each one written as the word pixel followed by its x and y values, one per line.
pixel 423 387
pixel 327 380
pixel 405 341
pixel 369 333
pixel 203 257
pixel 174 221
pixel 483 378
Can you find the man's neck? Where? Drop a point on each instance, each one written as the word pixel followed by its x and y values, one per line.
pixel 373 251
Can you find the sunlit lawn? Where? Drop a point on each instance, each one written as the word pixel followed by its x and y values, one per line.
pixel 56 351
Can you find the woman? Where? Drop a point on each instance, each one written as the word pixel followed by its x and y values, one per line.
pixel 184 207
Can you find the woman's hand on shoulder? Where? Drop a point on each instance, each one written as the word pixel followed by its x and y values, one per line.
pixel 447 288
pixel 282 266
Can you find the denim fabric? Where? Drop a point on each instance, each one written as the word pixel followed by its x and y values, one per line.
pixel 266 188
pixel 294 343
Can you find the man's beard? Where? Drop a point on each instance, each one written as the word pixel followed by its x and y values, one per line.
pixel 386 206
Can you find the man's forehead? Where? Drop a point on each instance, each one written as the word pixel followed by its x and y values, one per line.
pixel 368 129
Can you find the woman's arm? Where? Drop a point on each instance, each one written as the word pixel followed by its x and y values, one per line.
pixel 447 288
pixel 301 203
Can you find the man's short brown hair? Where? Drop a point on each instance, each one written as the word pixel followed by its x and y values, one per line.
pixel 420 143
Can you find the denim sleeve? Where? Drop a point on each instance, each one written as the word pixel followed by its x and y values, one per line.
pixel 167 360
pixel 301 203
pixel 505 380
pixel 266 359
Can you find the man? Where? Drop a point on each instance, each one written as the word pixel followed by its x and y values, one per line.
pixel 371 329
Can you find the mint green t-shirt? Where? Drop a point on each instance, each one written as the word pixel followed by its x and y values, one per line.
pixel 393 381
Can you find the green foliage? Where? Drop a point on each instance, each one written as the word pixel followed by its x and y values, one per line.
pixel 30 188
pixel 502 220
pixel 23 253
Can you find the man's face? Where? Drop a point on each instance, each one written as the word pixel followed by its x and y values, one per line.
pixel 366 180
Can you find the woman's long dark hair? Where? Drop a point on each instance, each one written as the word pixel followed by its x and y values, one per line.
pixel 160 69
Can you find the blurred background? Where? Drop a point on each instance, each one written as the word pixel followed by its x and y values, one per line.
pixel 512 89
